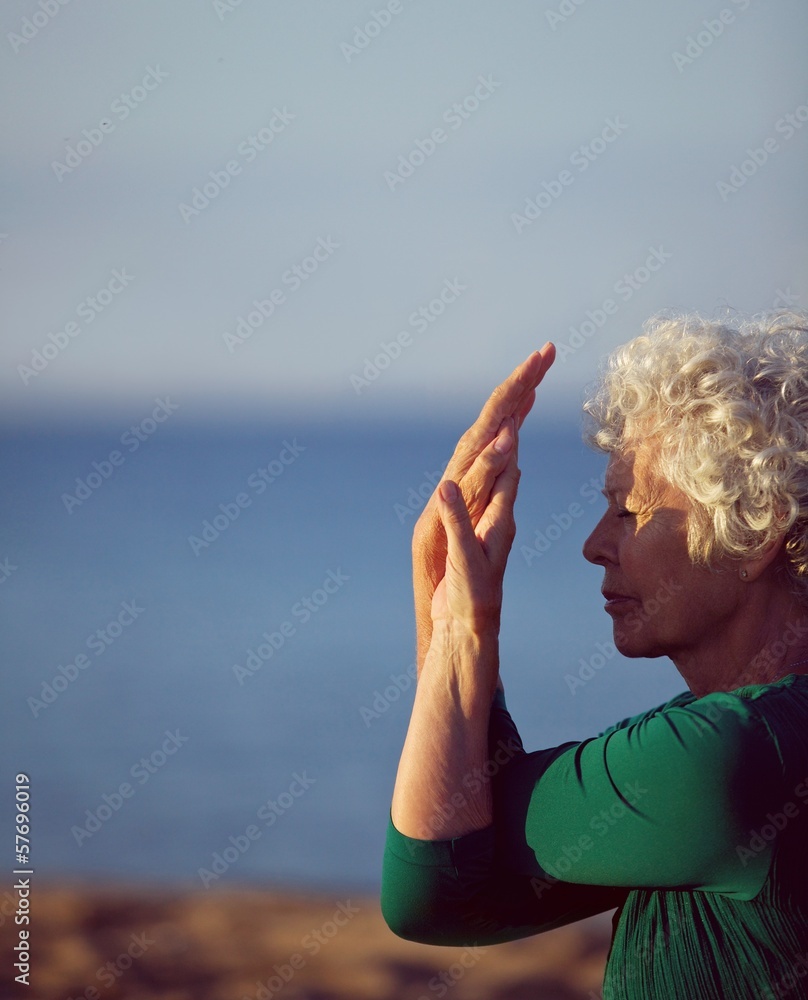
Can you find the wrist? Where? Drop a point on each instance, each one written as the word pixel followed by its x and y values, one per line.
pixel 467 658
pixel 482 635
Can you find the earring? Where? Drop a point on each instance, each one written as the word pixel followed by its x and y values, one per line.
pixel 744 574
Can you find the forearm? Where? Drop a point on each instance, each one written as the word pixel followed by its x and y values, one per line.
pixel 460 891
pixel 423 590
pixel 447 739
pixel 428 568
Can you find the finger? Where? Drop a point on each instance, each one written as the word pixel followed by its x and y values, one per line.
pixel 497 527
pixel 476 484
pixel 472 593
pixel 524 408
pixel 532 370
pixel 479 480
pixel 509 398
pixel 462 546
pixel 517 392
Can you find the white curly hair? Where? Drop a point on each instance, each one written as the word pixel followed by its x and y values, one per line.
pixel 727 405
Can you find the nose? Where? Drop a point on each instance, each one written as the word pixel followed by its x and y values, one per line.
pixel 598 548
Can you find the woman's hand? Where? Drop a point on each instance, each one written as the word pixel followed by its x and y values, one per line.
pixel 470 593
pixel 475 465
pixel 460 549
pixel 447 738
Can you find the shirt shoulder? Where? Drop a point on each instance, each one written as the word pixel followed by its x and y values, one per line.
pixel 683 698
pixel 670 793
pixel 781 708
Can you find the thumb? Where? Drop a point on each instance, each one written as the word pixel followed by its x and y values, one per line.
pixel 461 541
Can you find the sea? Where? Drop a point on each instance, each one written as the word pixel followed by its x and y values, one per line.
pixel 208 643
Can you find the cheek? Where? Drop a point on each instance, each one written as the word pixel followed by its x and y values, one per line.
pixel 663 584
pixel 678 597
pixel 654 554
pixel 640 559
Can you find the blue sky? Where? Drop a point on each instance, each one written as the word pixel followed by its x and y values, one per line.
pixel 367 175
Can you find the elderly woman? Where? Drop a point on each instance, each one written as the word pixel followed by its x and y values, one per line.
pixel 691 818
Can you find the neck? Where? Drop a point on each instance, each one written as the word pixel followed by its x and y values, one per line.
pixel 762 650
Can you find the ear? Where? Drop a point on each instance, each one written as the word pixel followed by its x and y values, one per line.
pixel 753 569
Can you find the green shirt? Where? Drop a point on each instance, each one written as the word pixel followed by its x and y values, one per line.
pixel 691 818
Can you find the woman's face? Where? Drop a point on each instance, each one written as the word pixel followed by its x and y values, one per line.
pixel 660 603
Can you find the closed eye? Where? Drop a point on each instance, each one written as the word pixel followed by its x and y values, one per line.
pixel 622 512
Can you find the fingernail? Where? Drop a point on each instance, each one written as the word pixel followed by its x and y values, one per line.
pixel 448 491
pixel 503 443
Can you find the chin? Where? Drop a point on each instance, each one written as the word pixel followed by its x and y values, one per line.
pixel 632 643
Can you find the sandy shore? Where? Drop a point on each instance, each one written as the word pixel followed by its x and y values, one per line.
pixel 110 943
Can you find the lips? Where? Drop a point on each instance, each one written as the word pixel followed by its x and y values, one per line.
pixel 615 600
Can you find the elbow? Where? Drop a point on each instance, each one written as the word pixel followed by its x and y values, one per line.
pixel 405 926
pixel 406 916
pixel 423 897
pixel 425 918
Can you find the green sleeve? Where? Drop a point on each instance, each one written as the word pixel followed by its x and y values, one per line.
pixel 667 801
pixel 457 892
pixel 452 892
